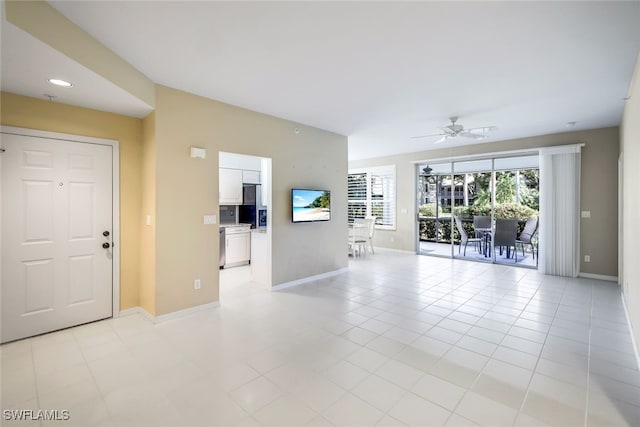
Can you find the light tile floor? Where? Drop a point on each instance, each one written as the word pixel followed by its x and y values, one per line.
pixel 398 340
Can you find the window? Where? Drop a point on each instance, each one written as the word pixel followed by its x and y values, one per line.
pixel 372 192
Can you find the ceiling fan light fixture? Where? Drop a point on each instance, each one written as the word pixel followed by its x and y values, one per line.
pixel 454 130
pixel 60 82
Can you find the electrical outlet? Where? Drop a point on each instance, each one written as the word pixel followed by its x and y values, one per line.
pixel 196 284
pixel 587 258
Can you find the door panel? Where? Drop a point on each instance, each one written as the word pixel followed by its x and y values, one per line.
pixel 38 293
pixel 38 211
pixel 56 203
pixel 81 276
pixel 81 210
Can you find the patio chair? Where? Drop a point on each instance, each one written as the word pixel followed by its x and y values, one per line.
pixel 505 235
pixel 530 228
pixel 358 237
pixel 481 223
pixel 371 228
pixel 482 229
pixel 465 239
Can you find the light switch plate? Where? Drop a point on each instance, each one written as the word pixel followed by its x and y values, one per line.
pixel 209 219
pixel 198 153
pixel 147 220
pixel 585 214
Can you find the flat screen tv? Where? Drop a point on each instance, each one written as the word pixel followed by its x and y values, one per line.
pixel 310 205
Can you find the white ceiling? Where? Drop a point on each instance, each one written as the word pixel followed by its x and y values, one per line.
pixel 378 72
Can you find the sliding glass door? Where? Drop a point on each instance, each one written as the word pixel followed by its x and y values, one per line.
pixel 483 210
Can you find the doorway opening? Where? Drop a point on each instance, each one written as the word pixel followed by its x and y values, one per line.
pixel 483 210
pixel 245 224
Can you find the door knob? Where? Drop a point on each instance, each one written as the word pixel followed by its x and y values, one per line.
pixel 105 233
pixel 106 245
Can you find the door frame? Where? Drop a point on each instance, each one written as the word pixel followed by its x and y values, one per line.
pixel 115 193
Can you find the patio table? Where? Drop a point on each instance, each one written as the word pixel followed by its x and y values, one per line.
pixel 486 234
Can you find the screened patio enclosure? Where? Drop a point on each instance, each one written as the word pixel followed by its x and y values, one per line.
pixel 485 210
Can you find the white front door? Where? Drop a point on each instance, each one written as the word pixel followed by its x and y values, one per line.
pixel 56 201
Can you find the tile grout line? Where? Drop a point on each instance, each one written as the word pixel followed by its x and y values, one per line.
pixel 35 376
pixel 469 389
pixel 533 371
pixel 588 392
pixel 95 382
pixel 630 326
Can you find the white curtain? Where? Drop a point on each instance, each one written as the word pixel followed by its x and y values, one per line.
pixel 559 230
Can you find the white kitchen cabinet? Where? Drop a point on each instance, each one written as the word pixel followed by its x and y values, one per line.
pixel 238 248
pixel 251 177
pixel 230 182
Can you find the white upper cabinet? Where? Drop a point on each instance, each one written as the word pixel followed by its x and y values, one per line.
pixel 251 177
pixel 230 182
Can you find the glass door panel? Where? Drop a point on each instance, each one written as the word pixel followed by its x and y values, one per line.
pixel 516 210
pixel 434 237
pixel 472 213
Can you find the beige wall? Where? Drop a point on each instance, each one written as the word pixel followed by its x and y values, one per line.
pixel 187 189
pixel 158 178
pixel 148 208
pixel 31 113
pixel 630 148
pixel 598 235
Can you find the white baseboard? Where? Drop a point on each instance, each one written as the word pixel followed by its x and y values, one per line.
pixel 169 316
pixel 136 310
pixel 633 338
pixel 599 277
pixel 298 282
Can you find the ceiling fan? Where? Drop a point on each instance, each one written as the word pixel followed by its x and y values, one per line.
pixel 455 130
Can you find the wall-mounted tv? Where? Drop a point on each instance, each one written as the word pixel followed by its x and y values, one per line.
pixel 310 205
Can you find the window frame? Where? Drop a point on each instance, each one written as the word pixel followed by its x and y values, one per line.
pixel 388 171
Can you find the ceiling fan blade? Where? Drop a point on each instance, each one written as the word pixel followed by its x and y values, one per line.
pixel 482 129
pixel 427 136
pixel 443 139
pixel 467 134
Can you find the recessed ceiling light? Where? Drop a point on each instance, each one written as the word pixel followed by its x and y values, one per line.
pixel 59 82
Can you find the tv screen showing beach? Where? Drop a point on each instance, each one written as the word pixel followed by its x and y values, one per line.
pixel 310 205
